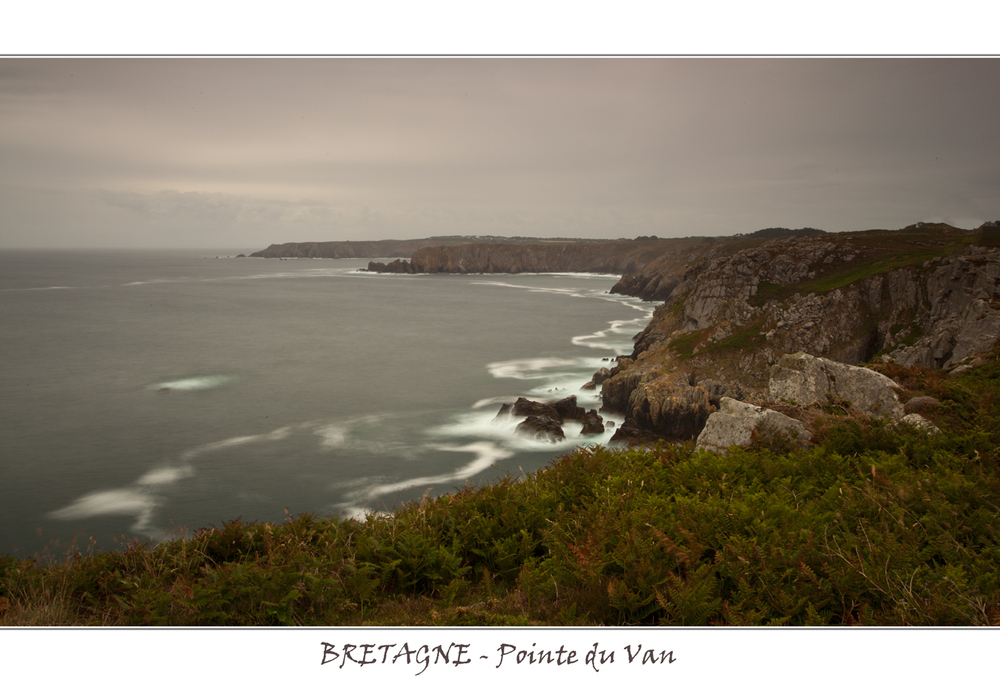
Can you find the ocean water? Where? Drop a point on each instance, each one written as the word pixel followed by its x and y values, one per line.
pixel 149 394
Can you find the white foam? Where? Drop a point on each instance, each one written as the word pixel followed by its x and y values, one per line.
pixel 332 435
pixel 487 454
pixel 359 513
pixel 203 382
pixel 526 369
pixel 476 424
pixel 492 401
pixel 37 289
pixel 165 476
pixel 112 502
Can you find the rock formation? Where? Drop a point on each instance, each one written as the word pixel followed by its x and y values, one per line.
pixel 739 424
pixel 544 420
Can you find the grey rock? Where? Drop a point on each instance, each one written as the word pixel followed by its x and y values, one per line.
pixel 919 422
pixel 737 423
pixel 806 379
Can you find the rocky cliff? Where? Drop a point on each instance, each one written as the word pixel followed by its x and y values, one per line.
pixel 926 295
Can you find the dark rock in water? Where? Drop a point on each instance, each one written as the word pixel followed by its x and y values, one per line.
pixel 504 412
pixel 563 409
pixel 526 407
pixel 545 419
pixel 567 408
pixel 588 385
pixel 397 266
pixel 239 256
pixel 163 390
pixel 541 428
pixel 609 423
pixel 593 424
pixel 601 375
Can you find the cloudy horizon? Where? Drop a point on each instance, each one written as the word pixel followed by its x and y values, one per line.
pixel 242 153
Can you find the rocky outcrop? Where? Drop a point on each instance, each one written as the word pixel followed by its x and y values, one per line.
pixel 740 424
pixel 664 408
pixel 544 420
pixel 804 379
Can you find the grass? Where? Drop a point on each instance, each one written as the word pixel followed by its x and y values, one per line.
pixel 870 525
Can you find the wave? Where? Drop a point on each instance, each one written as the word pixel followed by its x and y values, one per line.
pixel 195 384
pixel 127 501
pixel 527 369
pixel 37 289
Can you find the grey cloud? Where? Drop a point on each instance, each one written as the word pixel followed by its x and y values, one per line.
pixel 276 150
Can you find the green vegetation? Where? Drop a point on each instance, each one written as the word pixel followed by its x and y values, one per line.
pixel 766 291
pixel 885 251
pixel 871 525
pixel 683 346
pixel 746 337
pixel 871 268
pixel 988 236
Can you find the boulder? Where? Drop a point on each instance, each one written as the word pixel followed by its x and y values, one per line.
pixel 541 428
pixel 919 404
pixel 806 379
pixel 919 422
pixel 739 424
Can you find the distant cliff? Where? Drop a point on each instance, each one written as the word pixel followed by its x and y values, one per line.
pixel 345 249
pixel 367 249
pixel 612 256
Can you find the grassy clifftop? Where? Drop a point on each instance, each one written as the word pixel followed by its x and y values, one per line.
pixel 872 524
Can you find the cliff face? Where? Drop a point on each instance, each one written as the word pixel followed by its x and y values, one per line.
pixel 927 295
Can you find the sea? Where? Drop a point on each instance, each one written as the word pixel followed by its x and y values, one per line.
pixel 148 394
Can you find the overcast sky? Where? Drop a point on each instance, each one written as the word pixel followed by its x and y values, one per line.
pixel 241 153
